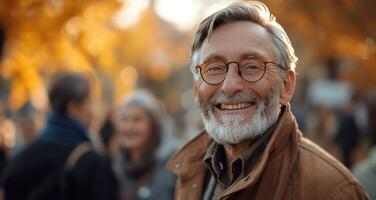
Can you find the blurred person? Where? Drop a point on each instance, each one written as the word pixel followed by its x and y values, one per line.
pixel 348 133
pixel 27 129
pixel 3 146
pixel 366 170
pixel 107 132
pixel 243 66
pixel 6 126
pixel 361 115
pixel 144 146
pixel 61 164
pixel 321 128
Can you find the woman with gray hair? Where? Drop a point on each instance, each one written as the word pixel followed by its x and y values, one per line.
pixel 143 145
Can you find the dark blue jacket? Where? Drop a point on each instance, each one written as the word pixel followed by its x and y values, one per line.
pixel 39 172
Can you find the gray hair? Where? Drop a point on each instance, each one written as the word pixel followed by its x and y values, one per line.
pixel 253 11
pixel 155 108
pixel 146 100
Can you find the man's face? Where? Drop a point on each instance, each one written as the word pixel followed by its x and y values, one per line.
pixel 236 110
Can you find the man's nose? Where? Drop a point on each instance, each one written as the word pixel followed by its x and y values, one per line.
pixel 233 82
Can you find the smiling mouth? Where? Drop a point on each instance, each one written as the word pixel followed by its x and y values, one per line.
pixel 236 106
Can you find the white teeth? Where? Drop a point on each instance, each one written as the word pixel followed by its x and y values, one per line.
pixel 234 106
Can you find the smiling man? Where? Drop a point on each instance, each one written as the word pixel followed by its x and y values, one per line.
pixel 244 77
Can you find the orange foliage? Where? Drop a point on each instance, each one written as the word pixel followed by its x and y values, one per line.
pixel 44 37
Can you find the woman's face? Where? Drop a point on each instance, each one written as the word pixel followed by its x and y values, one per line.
pixel 134 127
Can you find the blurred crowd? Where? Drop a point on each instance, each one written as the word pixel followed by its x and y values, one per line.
pixel 126 161
pixel 138 136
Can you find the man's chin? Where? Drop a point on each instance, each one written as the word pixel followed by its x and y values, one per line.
pixel 229 132
pixel 229 137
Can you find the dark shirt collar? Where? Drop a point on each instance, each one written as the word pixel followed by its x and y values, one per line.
pixel 215 159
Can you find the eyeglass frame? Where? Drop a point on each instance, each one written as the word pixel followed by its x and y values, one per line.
pixel 199 67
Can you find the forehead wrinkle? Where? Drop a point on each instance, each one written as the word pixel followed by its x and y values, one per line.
pixel 256 36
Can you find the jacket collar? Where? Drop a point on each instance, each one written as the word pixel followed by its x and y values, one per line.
pixel 187 163
pixel 62 129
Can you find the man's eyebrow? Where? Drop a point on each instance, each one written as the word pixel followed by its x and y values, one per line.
pixel 213 56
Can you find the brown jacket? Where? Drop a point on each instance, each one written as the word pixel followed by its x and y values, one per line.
pixel 291 167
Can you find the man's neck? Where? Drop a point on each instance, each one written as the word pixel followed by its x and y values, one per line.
pixel 232 152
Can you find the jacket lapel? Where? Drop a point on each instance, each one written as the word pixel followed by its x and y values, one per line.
pixel 275 164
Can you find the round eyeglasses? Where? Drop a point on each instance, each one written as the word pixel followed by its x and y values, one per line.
pixel 251 69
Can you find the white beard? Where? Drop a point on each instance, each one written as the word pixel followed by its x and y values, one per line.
pixel 230 129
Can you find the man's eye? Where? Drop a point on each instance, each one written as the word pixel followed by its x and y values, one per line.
pixel 251 69
pixel 218 68
pixel 215 69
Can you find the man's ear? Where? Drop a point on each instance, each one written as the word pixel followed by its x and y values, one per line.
pixel 288 87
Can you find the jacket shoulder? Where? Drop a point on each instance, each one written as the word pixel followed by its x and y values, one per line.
pixel 318 159
pixel 323 174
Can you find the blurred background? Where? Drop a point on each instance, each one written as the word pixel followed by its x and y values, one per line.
pixel 127 44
